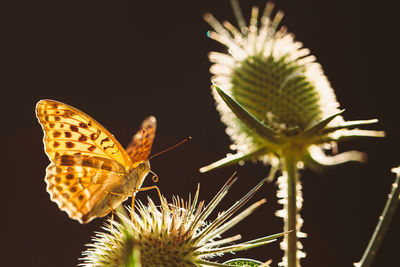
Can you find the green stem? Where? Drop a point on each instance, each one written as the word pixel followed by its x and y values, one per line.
pixel 383 224
pixel 290 170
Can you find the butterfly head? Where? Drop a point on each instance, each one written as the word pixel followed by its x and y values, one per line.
pixel 143 168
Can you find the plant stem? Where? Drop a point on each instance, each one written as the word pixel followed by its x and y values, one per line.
pixel 383 223
pixel 290 170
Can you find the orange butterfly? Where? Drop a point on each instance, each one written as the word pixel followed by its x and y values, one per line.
pixel 90 173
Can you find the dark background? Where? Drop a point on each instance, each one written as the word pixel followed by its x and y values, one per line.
pixel 122 61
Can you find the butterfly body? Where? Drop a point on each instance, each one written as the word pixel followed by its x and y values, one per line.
pixel 90 173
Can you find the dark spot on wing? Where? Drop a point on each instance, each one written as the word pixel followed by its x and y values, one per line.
pixel 83 125
pixel 69 144
pixel 107 147
pixel 68 113
pixel 70 176
pixel 91 148
pixel 65 195
pixel 88 162
pixel 68 134
pixel 94 136
pixel 82 138
pixel 51 125
pixel 56 134
pixel 58 179
pixel 57 118
pixel 106 166
pixel 73 128
pixel 105 140
pixel 67 160
pixel 73 189
pixel 56 144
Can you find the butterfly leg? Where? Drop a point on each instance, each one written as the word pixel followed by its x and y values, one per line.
pixel 163 201
pixel 112 211
pixel 132 206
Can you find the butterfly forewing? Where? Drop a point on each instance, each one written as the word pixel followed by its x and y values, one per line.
pixel 140 146
pixel 69 131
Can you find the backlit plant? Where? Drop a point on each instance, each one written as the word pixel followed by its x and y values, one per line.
pixel 279 108
pixel 174 235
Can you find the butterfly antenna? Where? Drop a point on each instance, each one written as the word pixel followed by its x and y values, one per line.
pixel 172 147
pixel 155 176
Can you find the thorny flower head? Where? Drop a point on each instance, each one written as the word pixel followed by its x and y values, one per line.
pixel 173 235
pixel 274 97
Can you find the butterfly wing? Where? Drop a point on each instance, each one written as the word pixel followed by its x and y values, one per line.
pixel 69 131
pixel 81 185
pixel 87 161
pixel 140 146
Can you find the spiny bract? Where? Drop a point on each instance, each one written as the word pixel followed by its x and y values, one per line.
pixel 174 235
pixel 274 97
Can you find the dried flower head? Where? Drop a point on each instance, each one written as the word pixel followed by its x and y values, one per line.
pixel 273 96
pixel 173 235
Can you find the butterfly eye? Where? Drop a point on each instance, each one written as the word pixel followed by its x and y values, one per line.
pixel 141 166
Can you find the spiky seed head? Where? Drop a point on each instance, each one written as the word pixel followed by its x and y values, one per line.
pixel 269 75
pixel 172 235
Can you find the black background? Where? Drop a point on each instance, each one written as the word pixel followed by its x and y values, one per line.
pixel 120 61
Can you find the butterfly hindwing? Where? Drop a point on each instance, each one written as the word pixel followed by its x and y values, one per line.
pixel 141 143
pixel 80 185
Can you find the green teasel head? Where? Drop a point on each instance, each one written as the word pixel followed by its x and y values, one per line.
pixel 274 97
pixel 174 234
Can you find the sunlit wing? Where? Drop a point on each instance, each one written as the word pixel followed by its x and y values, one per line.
pixel 68 131
pixel 80 185
pixel 140 145
pixel 88 170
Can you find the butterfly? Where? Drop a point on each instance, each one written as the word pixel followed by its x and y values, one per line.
pixel 90 173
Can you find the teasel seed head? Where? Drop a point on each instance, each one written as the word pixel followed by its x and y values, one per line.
pixel 173 235
pixel 273 96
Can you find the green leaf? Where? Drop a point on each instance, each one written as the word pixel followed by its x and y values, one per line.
pixel 243 262
pixel 259 128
